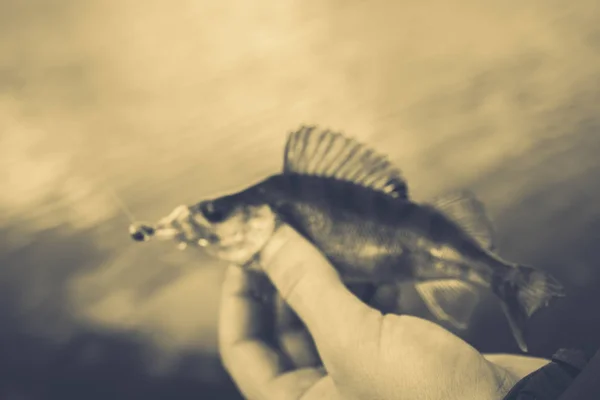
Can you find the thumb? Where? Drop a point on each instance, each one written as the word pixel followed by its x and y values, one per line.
pixel 311 286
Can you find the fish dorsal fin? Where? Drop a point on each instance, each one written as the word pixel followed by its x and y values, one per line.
pixel 322 152
pixel 449 300
pixel 464 209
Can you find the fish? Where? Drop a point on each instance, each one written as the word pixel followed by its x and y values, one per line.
pixel 353 204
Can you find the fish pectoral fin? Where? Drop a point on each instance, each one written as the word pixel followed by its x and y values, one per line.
pixel 449 300
pixel 321 152
pixel 464 209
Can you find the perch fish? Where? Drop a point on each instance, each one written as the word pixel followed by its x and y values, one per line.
pixel 353 204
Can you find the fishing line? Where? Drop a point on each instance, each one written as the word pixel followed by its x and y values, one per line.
pixel 121 204
pixel 190 123
pixel 118 200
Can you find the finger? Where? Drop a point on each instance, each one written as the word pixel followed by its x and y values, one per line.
pixel 311 286
pixel 245 312
pixel 306 384
pixel 243 327
pixel 285 317
pixel 293 338
pixel 246 305
pixel 300 349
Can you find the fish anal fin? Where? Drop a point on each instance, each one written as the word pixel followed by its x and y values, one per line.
pixel 516 324
pixel 449 300
pixel 321 152
pixel 464 209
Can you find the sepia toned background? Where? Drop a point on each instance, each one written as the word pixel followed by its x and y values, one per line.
pixel 161 103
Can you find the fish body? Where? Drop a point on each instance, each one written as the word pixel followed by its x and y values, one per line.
pixel 368 235
pixel 354 206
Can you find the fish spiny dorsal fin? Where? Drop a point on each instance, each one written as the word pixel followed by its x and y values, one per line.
pixel 322 152
pixel 464 209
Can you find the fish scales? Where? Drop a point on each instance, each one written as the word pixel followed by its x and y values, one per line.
pixel 368 234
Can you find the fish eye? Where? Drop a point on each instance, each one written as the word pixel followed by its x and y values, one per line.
pixel 211 212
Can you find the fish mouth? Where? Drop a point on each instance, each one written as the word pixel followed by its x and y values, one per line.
pixel 238 236
pixel 185 226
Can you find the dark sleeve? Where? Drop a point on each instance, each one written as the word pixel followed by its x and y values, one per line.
pixel 552 380
pixel 587 384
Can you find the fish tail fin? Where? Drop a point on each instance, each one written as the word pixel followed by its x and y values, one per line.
pixel 535 288
pixel 526 290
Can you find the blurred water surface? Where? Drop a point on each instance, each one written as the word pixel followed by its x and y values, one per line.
pixel 166 103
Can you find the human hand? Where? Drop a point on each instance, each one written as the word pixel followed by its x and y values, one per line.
pixel 364 354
